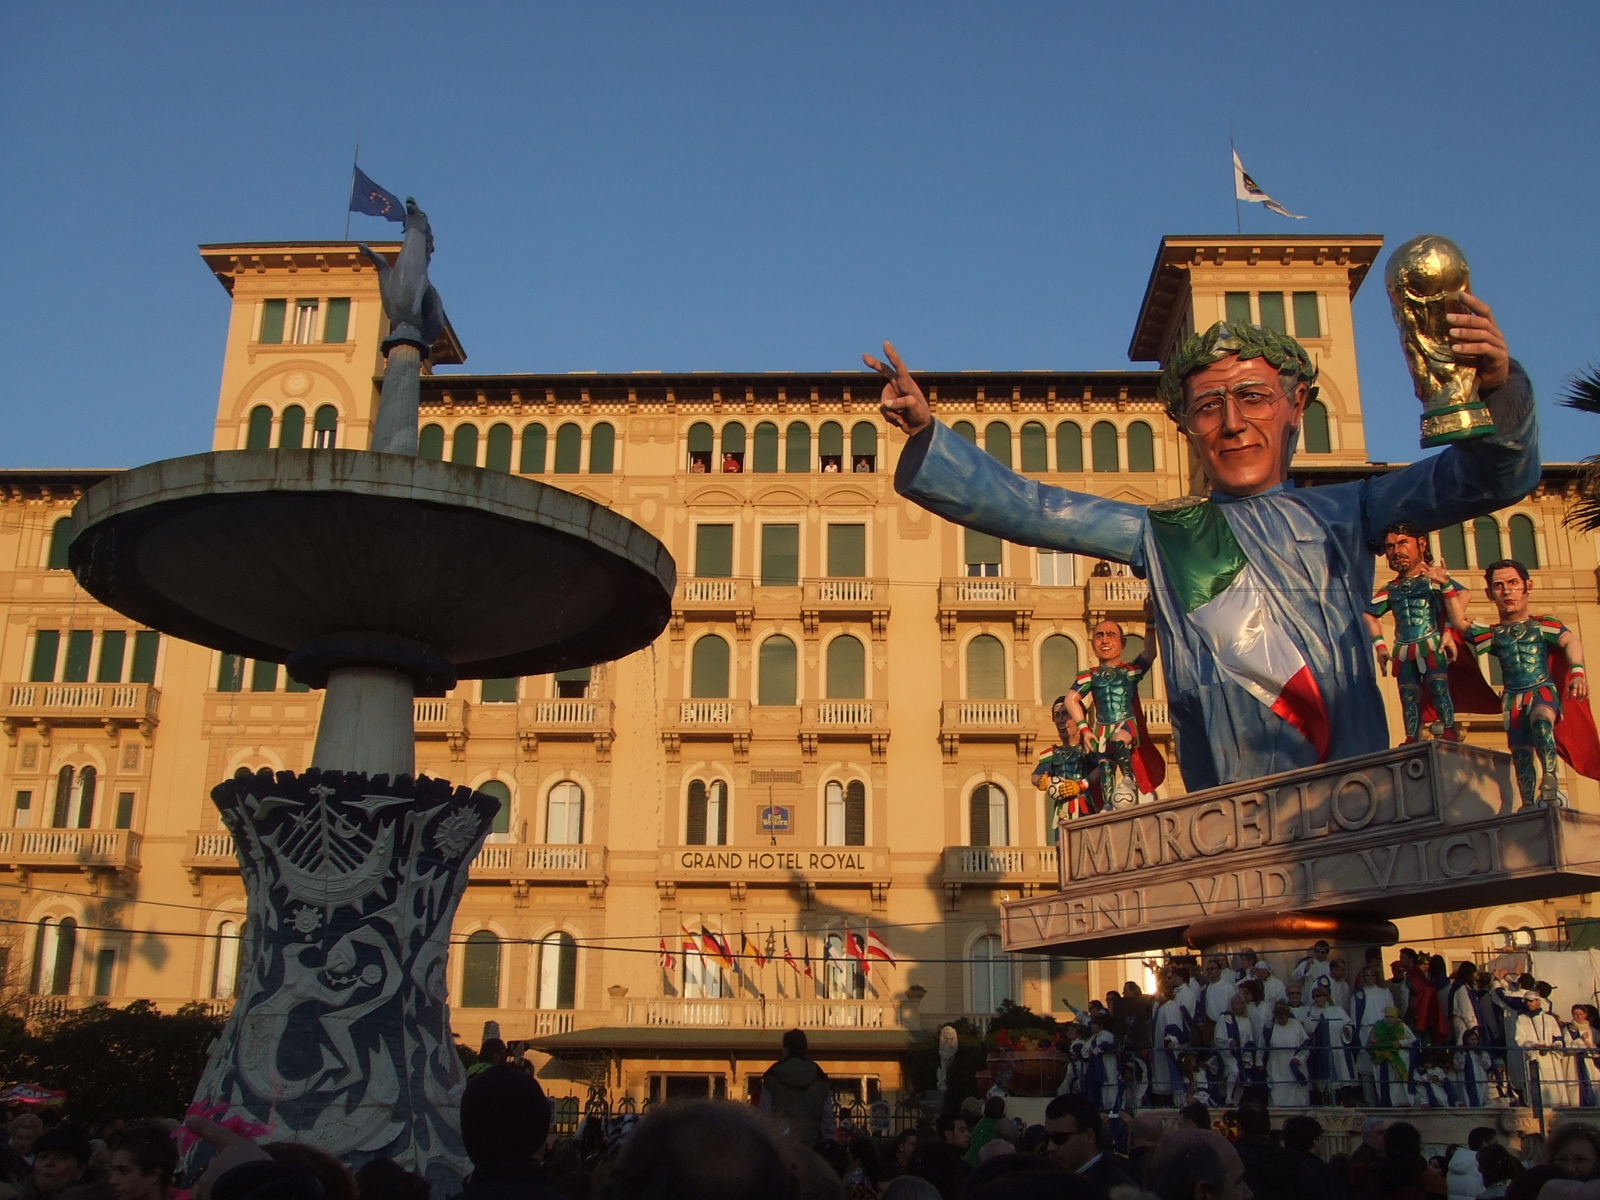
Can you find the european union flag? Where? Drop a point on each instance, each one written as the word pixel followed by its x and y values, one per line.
pixel 367 197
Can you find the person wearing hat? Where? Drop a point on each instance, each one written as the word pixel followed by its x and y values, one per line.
pixel 505 1119
pixel 1543 1043
pixel 1389 1047
pixel 61 1169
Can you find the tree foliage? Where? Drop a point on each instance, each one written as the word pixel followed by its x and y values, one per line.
pixel 1583 394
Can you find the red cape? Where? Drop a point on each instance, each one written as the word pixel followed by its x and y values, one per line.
pixel 1149 767
pixel 1469 692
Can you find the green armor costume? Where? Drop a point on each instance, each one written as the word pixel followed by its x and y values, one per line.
pixel 1114 691
pixel 1420 621
pixel 1523 650
pixel 1063 775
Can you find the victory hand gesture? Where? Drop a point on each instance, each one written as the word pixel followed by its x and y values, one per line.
pixel 903 405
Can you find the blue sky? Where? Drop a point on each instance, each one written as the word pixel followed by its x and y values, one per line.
pixel 756 186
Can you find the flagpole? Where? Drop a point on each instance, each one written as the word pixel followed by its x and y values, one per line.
pixel 1237 226
pixel 355 164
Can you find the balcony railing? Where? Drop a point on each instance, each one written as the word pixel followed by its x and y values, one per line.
pixel 711 591
pixel 566 719
pixel 1000 864
pixel 436 717
pixel 985 599
pixel 840 591
pixel 70 849
pixel 113 704
pixel 538 862
pixel 1118 594
pixel 673 1012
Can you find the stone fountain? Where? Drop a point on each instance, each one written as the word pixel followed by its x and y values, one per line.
pixel 380 577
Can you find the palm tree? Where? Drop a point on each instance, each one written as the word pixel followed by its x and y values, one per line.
pixel 1583 394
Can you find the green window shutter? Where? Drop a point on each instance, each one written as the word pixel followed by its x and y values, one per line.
pixel 847 551
pixel 708 669
pixel 983 550
pixel 1069 446
pixel 864 444
pixel 105 966
pixel 80 644
pixel 602 448
pixel 986 668
pixel 573 683
pixel 1141 447
pixel 713 551
pixel 1307 320
pixel 978 815
pixel 719 792
pixel 701 438
pixel 1035 449
pixel 1272 311
pixel 1058 667
pixel 695 824
pixel 1314 427
pixel 830 440
pixel 533 449
pixel 1453 547
pixel 847 669
pixel 797 448
pixel 60 542
pixel 1485 537
pixel 501 822
pixel 1103 446
pixel 124 818
pixel 780 555
pixel 46 649
pixel 291 684
pixel 997 441
pixel 87 783
pixel 776 664
pixel 562 957
pixel 113 652
pixel 263 676
pixel 337 326
pixel 480 971
pixel 764 453
pixel 258 435
pixel 569 449
pixel 1237 306
pixel 325 427
pixel 430 443
pixel 230 673
pixel 499 691
pixel 1524 546
pixel 292 428
pixel 272 322
pixel 146 648
pixel 855 814
pixel 966 432
pixel 497 454
pixel 464 445
pixel 733 438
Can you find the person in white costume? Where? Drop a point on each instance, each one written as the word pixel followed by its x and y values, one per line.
pixel 1543 1041
pixel 1287 1049
pixel 1331 1032
pixel 1235 1040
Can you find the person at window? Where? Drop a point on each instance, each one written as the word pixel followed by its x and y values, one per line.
pixel 796 1093
pixel 830 465
pixel 863 465
pixel 1111 687
pixel 1294 564
pixel 731 464
pixel 1066 769
pixel 697 465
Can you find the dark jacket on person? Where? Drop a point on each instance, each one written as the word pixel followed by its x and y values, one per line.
pixel 1269 1169
pixel 797 1093
pixel 1109 1172
pixel 515 1179
pixel 1315 1179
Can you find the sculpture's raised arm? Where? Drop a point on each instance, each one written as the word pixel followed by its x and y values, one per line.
pixel 416 319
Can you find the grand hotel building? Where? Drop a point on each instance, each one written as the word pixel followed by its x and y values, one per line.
pixel 834 733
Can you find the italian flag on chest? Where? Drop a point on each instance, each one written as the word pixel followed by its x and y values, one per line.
pixel 1225 598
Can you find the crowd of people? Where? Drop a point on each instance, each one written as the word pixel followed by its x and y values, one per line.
pixel 1416 1034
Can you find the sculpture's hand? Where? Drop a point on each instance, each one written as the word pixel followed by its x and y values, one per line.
pixel 1475 335
pixel 1382 653
pixel 903 405
pixel 1577 686
pixel 1450 650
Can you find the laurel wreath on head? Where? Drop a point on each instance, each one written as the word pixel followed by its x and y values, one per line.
pixel 1233 337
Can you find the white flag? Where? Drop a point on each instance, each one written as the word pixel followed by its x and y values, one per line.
pixel 1244 188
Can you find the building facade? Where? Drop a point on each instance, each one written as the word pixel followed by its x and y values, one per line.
pixel 828 747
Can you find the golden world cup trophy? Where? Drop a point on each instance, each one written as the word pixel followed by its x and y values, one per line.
pixel 1426 277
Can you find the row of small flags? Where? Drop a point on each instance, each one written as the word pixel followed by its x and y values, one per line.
pixel 864 946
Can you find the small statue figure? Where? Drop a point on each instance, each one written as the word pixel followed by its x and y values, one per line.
pixel 1112 686
pixel 1426 278
pixel 1065 769
pixel 1536 681
pixel 1426 602
pixel 416 320
pixel 949 1043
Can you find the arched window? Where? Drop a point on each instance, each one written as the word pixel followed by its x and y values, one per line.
pixel 845 818
pixel 61 812
pixel 1132 648
pixel 88 778
pixel 700 445
pixel 54 951
pixel 258 434
pixel 464 444
pixel 991 974
pixel 797 448
pixel 986 668
pixel 703 979
pixel 602 448
pixel 1103 446
pixel 708 669
pixel 497 454
pixel 60 542
pixel 988 816
pixel 480 970
pixel 1141 447
pixel 842 978
pixel 225 961
pixel 430 443
pixel 325 427
pixel 1069 446
pixel 1314 429
pixel 569 449
pixel 776 665
pixel 500 826
pixel 997 441
pixel 563 823
pixel 533 449
pixel 847 669
pixel 1058 667
pixel 1035 449
pixel 706 821
pixel 764 451
pixel 558 971
pixel 864 447
pixel 966 431
pixel 732 448
pixel 1453 549
pixel 830 447
pixel 1524 546
pixel 292 428
pixel 1486 540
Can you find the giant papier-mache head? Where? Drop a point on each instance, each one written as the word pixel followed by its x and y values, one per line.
pixel 1200 350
